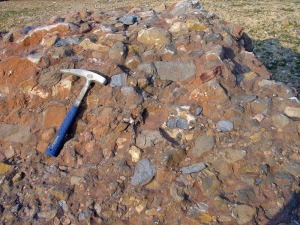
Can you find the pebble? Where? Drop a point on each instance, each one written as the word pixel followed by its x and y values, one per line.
pixel 178 123
pixel 144 172
pixel 63 205
pixel 81 216
pixel 72 40
pixel 198 111
pixel 193 168
pixel 27 29
pixel 118 80
pixel 52 169
pixel 224 125
pixel 129 19
pixel 203 144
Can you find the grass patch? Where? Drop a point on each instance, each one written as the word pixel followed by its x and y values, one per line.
pixel 288 9
pixel 15 15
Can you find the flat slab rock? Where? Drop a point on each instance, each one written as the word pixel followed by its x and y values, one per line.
pixel 175 71
pixel 15 133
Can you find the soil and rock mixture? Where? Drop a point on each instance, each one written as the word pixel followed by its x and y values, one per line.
pixel 189 128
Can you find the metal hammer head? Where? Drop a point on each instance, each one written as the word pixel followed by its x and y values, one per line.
pixel 88 75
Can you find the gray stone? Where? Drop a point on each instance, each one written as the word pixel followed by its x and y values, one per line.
pixel 196 53
pixel 171 48
pixel 148 138
pixel 212 37
pixel 129 19
pixel 284 176
pixel 144 172
pixel 36 57
pixel 171 123
pixel 193 168
pixel 72 40
pixel 243 213
pixel 224 125
pixel 81 216
pixel 15 133
pixel 291 167
pixel 182 124
pixel 16 208
pixel 63 205
pixel 118 52
pixel 127 90
pixel 210 186
pixel 118 80
pixel 245 195
pixel 178 123
pixel 245 98
pixel 175 71
pixel 26 30
pixel 198 111
pixel 52 169
pixel 197 208
pixel 203 144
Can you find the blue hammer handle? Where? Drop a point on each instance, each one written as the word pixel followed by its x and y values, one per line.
pixel 58 141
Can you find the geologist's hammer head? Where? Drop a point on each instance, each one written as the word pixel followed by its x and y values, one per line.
pixel 88 75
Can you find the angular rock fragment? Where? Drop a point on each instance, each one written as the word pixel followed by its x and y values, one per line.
pixel 148 138
pixel 118 53
pixel 203 144
pixel 154 36
pixel 118 80
pixel 292 112
pixel 144 172
pixel 225 125
pixel 129 19
pixel 175 71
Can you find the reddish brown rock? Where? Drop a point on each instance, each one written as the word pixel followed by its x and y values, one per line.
pixel 15 70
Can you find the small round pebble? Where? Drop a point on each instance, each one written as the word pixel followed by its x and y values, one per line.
pixel 198 111
pixel 224 125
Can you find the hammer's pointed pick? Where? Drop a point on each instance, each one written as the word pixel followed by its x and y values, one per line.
pixel 88 75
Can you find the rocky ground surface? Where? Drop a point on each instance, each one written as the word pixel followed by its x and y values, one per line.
pixel 273 26
pixel 189 129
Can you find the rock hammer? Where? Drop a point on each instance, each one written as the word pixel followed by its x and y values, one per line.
pixel 57 143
